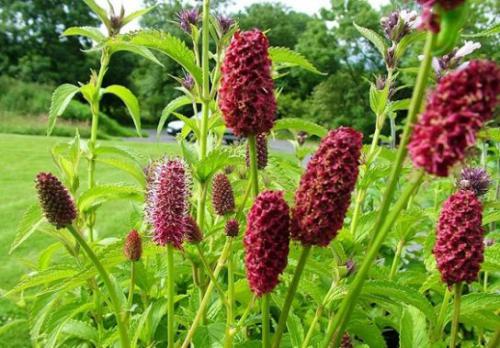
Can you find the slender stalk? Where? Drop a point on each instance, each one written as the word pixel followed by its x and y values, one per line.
pixel 205 97
pixel 228 339
pixel 206 297
pixel 171 296
pixel 395 261
pixel 113 295
pixel 292 289
pixel 130 300
pixel 438 330
pixel 210 274
pixel 254 171
pixel 266 329
pixel 334 335
pixel 457 290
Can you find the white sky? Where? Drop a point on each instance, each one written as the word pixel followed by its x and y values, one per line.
pixel 307 6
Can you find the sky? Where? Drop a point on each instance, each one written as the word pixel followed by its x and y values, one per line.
pixel 307 6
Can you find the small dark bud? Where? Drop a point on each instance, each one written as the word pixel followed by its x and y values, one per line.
pixel 187 82
pixel 351 266
pixel 346 341
pixel 301 137
pixel 261 143
pixel 222 195
pixel 188 18
pixel 390 59
pixel 133 246
pixel 474 179
pixel 192 233
pixel 57 204
pixel 232 228
pixel 225 23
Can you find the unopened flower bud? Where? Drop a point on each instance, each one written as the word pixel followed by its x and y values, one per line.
pixel 192 233
pixel 232 228
pixel 222 195
pixel 133 246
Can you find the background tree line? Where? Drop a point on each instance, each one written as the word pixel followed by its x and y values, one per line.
pixel 33 51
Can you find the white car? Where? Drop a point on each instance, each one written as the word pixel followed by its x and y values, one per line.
pixel 175 127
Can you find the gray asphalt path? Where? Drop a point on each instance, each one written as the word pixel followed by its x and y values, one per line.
pixel 276 145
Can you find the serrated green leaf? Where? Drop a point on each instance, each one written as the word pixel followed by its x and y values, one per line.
pixel 474 303
pixel 213 162
pixel 99 11
pixel 290 58
pixel 295 329
pixel 298 124
pixel 209 336
pixel 368 332
pixel 170 108
pixel 134 15
pixel 90 32
pixel 492 134
pixel 116 44
pixel 491 258
pixel 398 105
pixel 42 278
pixel 492 216
pixel 406 41
pixel 413 329
pixel 488 32
pixel 100 194
pixel 130 101
pixel 81 330
pixel 378 99
pixel 130 168
pixel 374 38
pixel 401 294
pixel 60 317
pixel 171 46
pixel 190 124
pixel 29 224
pixel 59 102
pixel 119 151
pixel 11 325
pixel 140 325
pixel 189 153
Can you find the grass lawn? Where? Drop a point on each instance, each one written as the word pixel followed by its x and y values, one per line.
pixel 21 158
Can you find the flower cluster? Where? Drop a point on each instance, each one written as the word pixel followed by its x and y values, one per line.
pixel 133 246
pixel 474 179
pixel 225 23
pixel 453 59
pixel 57 204
pixel 246 96
pixel 232 228
pixel 456 110
pixel 266 241
pixel 261 145
pixel 398 24
pixel 222 195
pixel 187 18
pixel 325 189
pixel 445 4
pixel 459 246
pixel 167 201
pixel 192 233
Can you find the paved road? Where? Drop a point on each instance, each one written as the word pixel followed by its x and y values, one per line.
pixel 276 145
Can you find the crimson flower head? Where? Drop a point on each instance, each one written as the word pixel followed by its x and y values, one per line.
pixel 192 233
pixel 324 193
pixel 459 106
pixel 222 195
pixel 133 246
pixel 445 4
pixel 57 204
pixel 261 145
pixel 266 241
pixel 167 204
pixel 232 228
pixel 459 245
pixel 246 96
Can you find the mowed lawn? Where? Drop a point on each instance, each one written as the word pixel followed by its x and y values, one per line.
pixel 21 158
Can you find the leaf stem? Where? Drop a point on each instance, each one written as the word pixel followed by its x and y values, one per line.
pixel 438 330
pixel 457 290
pixel 206 297
pixel 228 339
pixel 395 261
pixel 210 274
pixel 107 282
pixel 254 171
pixel 334 335
pixel 292 289
pixel 205 98
pixel 130 299
pixel 266 329
pixel 171 296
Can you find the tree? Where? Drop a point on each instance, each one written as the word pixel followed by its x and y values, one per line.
pixel 30 39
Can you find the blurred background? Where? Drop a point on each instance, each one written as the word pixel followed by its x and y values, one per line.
pixel 34 58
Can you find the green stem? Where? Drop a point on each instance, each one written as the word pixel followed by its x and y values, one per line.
pixel 337 329
pixel 438 330
pixel 457 289
pixel 334 335
pixel 210 274
pixel 119 313
pixel 206 297
pixel 254 171
pixel 292 289
pixel 395 261
pixel 205 97
pixel 130 300
pixel 266 329
pixel 171 296
pixel 495 340
pixel 202 199
pixel 228 340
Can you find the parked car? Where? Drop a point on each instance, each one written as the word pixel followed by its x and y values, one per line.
pixel 175 127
